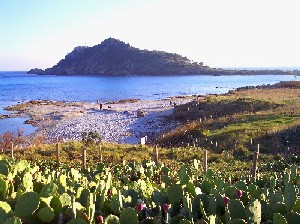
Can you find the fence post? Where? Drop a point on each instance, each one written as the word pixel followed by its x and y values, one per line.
pixel 83 158
pixel 258 148
pixel 57 154
pixel 100 153
pixel 155 154
pixel 12 150
pixel 254 166
pixel 205 161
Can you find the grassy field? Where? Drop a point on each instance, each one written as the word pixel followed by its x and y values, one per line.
pixel 268 116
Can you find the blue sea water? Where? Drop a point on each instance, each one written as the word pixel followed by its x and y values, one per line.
pixel 18 87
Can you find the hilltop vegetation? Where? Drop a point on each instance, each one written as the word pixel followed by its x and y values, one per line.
pixel 114 57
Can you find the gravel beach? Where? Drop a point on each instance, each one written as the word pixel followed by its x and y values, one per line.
pixel 118 122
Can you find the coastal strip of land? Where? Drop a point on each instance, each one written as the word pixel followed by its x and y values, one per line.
pixel 124 121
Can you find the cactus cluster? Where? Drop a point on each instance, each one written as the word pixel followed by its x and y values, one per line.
pixel 143 193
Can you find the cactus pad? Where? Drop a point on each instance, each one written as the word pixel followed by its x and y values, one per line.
pixel 48 190
pixel 293 218
pixel 14 220
pixel 45 214
pixel 3 189
pixel 77 221
pixel 4 169
pixel 279 219
pixel 129 215
pixel 253 212
pixel 290 196
pixel 112 219
pixel 27 204
pixel 184 221
pixel 5 211
pixel 175 193
pixel 237 209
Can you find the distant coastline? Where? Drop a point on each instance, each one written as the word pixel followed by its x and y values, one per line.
pixel 115 58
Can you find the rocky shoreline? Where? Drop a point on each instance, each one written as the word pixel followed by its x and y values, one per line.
pixel 124 121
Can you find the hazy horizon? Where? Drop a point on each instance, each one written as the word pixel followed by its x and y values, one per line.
pixel 222 34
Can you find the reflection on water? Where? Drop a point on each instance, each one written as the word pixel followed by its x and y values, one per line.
pixel 13 124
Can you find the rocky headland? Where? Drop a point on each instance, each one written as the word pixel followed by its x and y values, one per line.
pixel 114 57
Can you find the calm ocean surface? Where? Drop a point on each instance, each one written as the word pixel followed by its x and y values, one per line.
pixel 18 86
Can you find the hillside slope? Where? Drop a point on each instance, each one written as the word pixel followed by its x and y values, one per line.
pixel 114 57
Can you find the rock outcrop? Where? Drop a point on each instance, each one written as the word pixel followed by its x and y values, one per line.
pixel 114 57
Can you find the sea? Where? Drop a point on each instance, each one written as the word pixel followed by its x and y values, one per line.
pixel 18 87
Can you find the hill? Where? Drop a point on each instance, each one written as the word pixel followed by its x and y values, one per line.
pixel 114 57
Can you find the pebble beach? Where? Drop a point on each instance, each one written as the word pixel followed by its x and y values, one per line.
pixel 117 122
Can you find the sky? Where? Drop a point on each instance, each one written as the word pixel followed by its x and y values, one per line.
pixel 219 33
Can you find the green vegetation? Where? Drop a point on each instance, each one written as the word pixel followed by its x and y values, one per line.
pixel 143 193
pixel 240 120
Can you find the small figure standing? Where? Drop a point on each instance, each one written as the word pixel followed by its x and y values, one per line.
pixel 100 106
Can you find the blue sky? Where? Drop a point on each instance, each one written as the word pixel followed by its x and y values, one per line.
pixel 231 33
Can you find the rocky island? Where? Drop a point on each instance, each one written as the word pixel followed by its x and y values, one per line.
pixel 115 57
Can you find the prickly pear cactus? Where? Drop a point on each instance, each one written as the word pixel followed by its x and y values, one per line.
pixel 27 181
pixel 279 219
pixel 183 175
pixel 212 207
pixel 129 215
pixel 112 219
pixel 56 204
pixel 296 207
pixel 238 221
pixel 184 221
pixel 45 214
pixel 3 189
pixel 231 192
pixel 272 184
pixel 115 204
pixel 65 200
pixel 4 169
pixel 77 221
pixel 159 198
pixel 236 209
pixel 5 211
pixel 253 212
pixel 293 172
pixel 21 165
pixel 290 196
pixel 175 193
pixel 14 220
pixel 48 190
pixel 27 204
pixel 84 197
pixel 241 185
pixel 293 218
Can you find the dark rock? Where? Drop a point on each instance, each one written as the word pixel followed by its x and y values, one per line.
pixel 35 71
